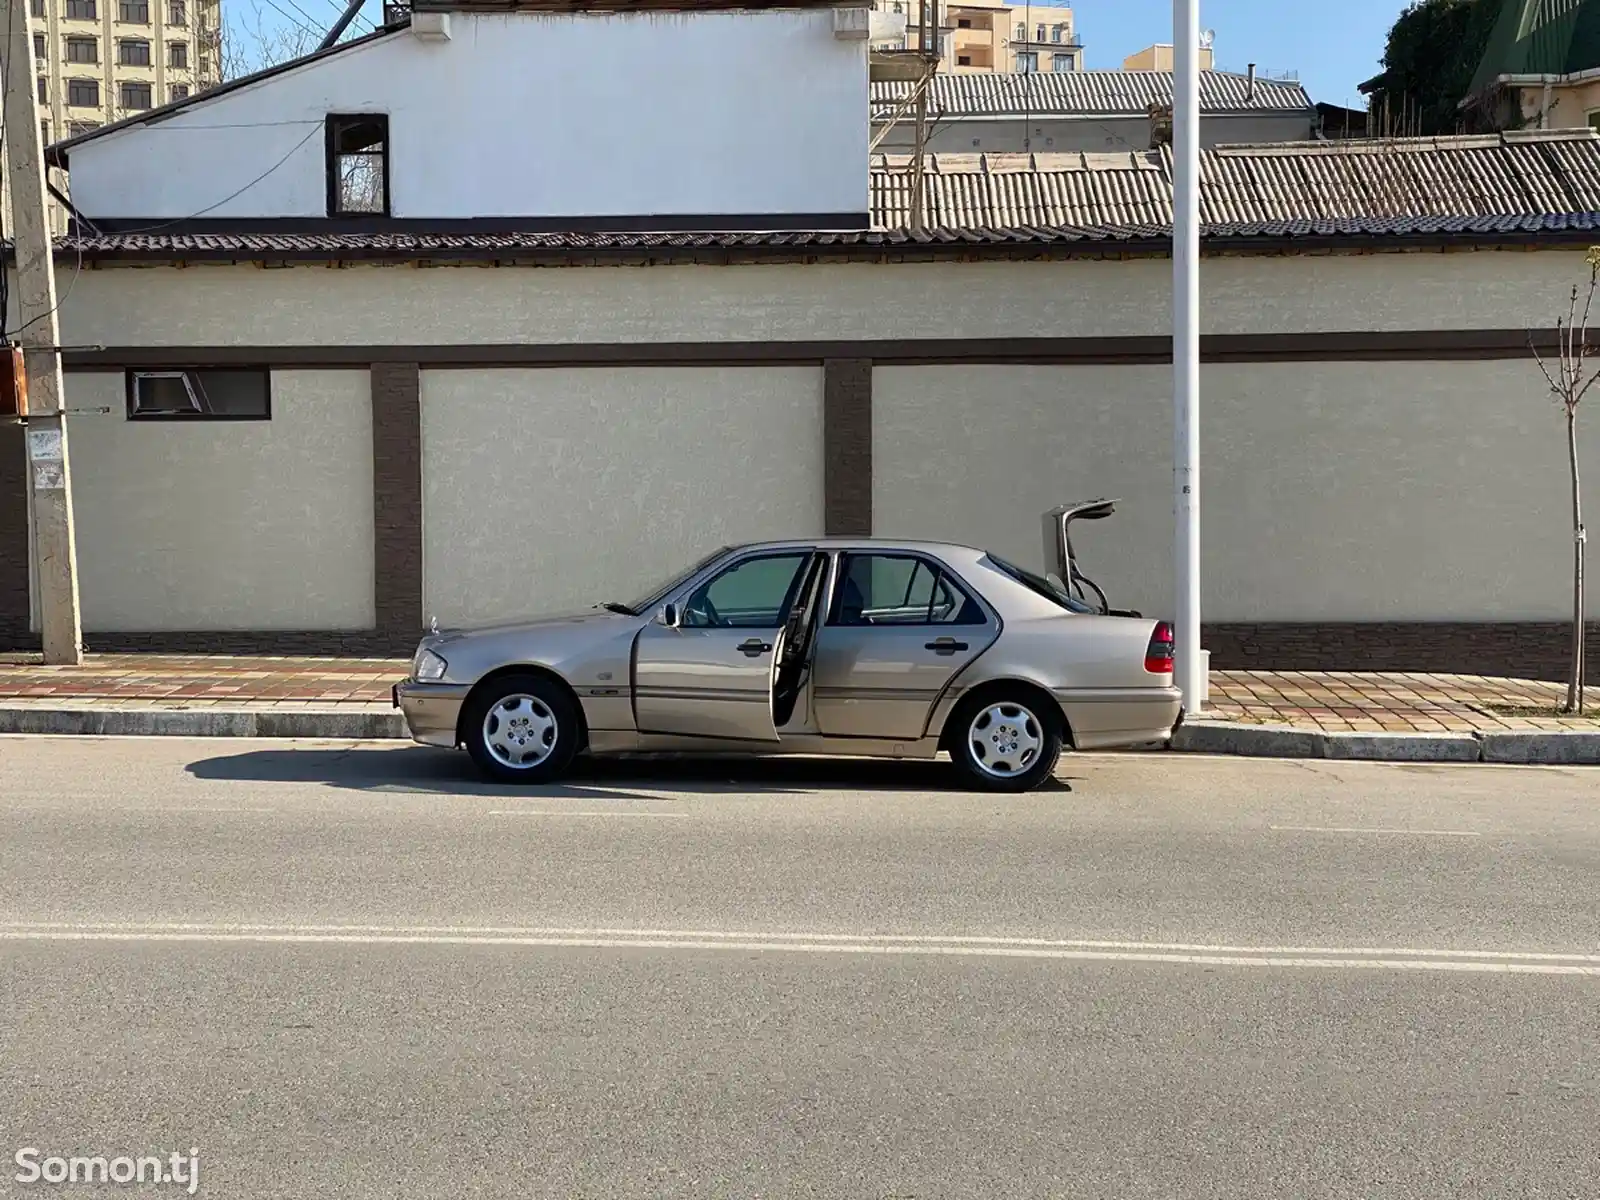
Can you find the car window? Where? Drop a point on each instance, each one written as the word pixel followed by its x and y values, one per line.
pixel 900 589
pixel 751 594
pixel 1040 585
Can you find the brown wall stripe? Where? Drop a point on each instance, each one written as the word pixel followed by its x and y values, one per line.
pixel 397 499
pixel 1520 649
pixel 1445 345
pixel 14 607
pixel 847 447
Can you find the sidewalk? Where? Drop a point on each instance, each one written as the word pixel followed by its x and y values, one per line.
pixel 1415 717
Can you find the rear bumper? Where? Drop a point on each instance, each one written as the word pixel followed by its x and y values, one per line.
pixel 1115 718
pixel 431 710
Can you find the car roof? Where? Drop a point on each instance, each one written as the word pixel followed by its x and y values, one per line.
pixel 865 543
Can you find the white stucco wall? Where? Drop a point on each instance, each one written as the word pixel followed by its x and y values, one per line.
pixel 227 305
pixel 226 525
pixel 1329 491
pixel 547 490
pixel 527 114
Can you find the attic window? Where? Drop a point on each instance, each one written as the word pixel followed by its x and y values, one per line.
pixel 358 165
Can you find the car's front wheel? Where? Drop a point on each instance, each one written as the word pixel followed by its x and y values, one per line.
pixel 1005 743
pixel 521 729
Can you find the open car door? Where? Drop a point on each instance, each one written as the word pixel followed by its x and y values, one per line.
pixel 797 643
pixel 717 665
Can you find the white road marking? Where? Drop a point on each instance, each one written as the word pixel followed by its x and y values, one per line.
pixel 1360 958
pixel 547 812
pixel 1388 832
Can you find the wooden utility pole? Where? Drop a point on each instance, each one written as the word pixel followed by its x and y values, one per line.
pixel 55 549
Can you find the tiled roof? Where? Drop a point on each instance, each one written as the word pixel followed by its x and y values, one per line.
pixel 566 246
pixel 1539 173
pixel 1519 187
pixel 1096 93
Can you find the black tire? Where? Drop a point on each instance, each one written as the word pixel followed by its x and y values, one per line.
pixel 1023 718
pixel 543 700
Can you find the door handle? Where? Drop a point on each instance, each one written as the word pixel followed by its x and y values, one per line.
pixel 945 646
pixel 754 648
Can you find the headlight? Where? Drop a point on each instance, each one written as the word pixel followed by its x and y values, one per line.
pixel 428 666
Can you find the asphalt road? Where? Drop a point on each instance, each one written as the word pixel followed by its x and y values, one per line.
pixel 355 971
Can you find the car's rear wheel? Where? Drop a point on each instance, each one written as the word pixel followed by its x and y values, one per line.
pixel 521 729
pixel 1005 742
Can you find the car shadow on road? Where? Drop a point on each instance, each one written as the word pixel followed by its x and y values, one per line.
pixel 423 771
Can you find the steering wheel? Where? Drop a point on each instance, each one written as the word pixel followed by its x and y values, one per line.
pixel 701 605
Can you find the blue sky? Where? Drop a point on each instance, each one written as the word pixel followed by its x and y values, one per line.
pixel 1334 47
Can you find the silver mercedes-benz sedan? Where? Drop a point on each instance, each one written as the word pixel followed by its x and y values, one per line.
pixel 834 646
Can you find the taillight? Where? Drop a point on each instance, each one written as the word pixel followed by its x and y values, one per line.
pixel 1158 656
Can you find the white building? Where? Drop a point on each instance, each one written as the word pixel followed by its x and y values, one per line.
pixel 539 368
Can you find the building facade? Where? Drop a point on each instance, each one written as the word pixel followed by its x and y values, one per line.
pixel 986 36
pixel 414 374
pixel 98 61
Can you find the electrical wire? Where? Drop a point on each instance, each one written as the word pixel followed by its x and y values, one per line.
pixel 78 242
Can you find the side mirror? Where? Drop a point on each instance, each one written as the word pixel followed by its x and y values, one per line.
pixel 669 616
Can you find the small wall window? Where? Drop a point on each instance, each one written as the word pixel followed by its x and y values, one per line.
pixel 135 95
pixel 1061 62
pixel 44 90
pixel 38 46
pixel 44 132
pixel 134 12
pixel 177 13
pixel 358 165
pixel 79 128
pixel 178 91
pixel 178 55
pixel 83 50
pixel 1027 62
pixel 1594 119
pixel 83 93
pixel 198 395
pixel 82 10
pixel 1057 32
pixel 963 23
pixel 36 7
pixel 133 52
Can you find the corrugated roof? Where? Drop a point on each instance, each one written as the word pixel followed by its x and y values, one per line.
pixel 1097 93
pixel 1539 173
pixel 1528 188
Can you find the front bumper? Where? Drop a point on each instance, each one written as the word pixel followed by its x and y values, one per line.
pixel 431 710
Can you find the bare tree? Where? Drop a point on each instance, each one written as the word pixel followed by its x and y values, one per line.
pixel 1570 380
pixel 250 43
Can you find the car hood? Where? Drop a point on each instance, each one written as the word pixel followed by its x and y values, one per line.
pixel 554 623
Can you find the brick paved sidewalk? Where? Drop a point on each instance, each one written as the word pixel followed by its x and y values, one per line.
pixel 1339 702
pixel 173 681
pixel 1326 702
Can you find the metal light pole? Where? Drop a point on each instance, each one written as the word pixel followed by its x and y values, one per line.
pixel 1188 669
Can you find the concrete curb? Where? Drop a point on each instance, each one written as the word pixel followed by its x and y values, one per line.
pixel 361 725
pixel 1560 747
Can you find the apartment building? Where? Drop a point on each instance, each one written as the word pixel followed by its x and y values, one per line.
pixel 983 36
pixel 98 61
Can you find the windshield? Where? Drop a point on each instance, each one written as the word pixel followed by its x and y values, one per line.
pixel 1040 585
pixel 659 593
